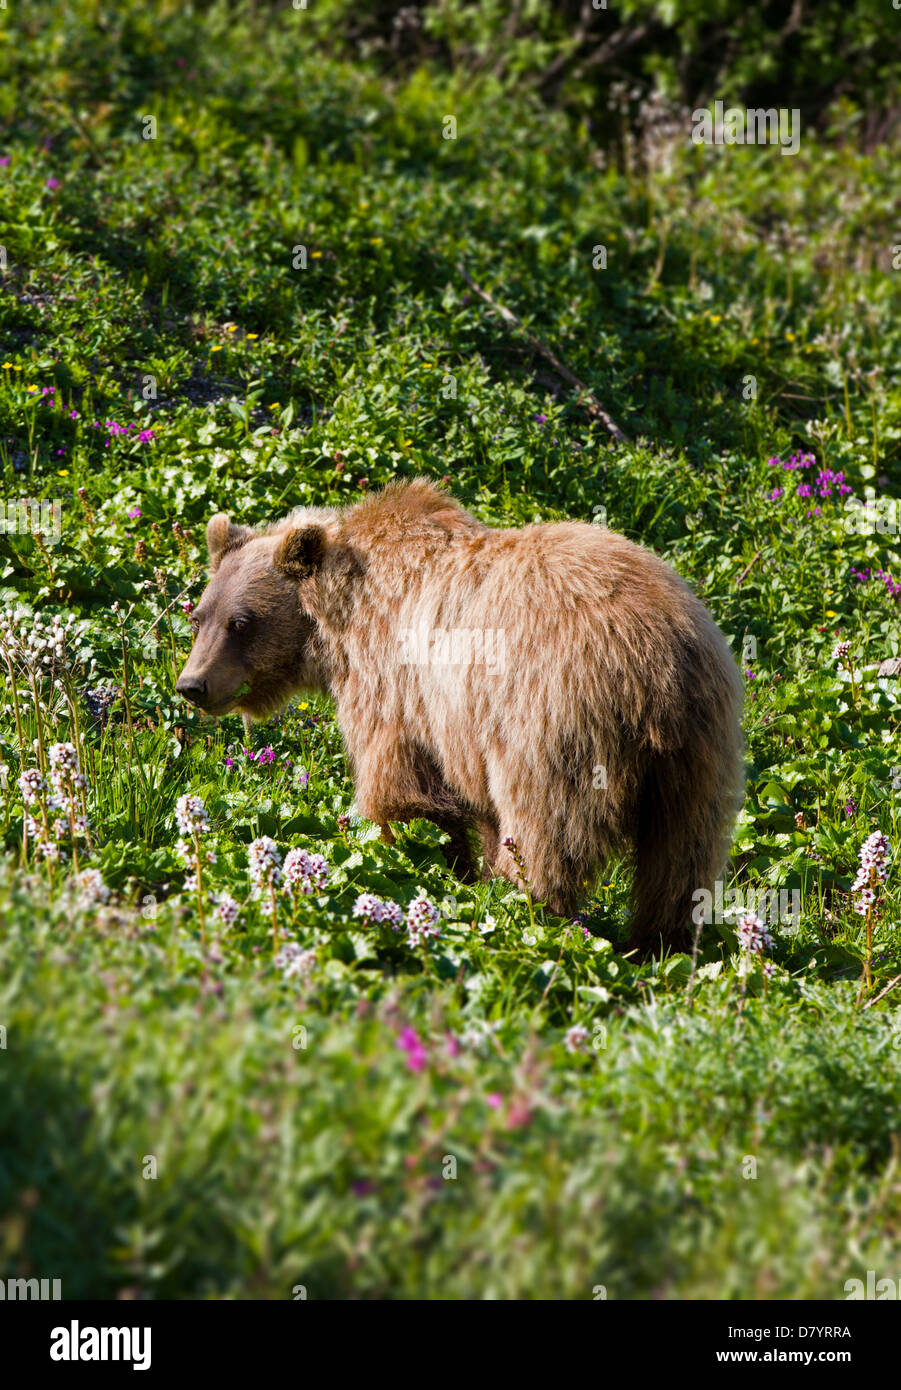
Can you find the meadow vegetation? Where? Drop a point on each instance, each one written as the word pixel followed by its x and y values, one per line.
pixel 228 1068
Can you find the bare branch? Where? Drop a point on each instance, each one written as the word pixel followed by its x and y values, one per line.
pixel 590 404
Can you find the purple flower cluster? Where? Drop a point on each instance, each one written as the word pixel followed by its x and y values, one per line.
pixel 227 910
pixel 410 1042
pixel 301 872
pixel 874 854
pixel 422 919
pixel 308 872
pixel 791 464
pixel 33 786
pixel 265 861
pixel 144 436
pixel 57 801
pixel 422 915
pixel 293 960
pixel 575 1037
pixel 191 815
pixel 752 934
pixel 92 891
pixel 827 482
pixel 373 909
pixel 864 575
pixel 66 780
pixel 265 755
pixel 113 428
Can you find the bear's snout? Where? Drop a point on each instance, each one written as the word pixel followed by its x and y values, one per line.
pixel 193 689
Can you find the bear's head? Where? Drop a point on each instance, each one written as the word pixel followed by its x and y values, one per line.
pixel 255 640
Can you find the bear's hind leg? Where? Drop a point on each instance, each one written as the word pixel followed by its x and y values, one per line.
pixel 486 829
pixel 684 830
pixel 553 877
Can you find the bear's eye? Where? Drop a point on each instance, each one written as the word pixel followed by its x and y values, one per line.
pixel 239 622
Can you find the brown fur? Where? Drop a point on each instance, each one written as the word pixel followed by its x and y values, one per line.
pixel 611 662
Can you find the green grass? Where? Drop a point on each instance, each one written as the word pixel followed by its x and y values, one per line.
pixel 718 1134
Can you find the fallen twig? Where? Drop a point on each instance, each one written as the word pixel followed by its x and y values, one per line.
pixel 591 405
pixel 747 569
pixel 881 995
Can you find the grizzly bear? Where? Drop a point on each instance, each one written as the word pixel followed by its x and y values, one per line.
pixel 556 686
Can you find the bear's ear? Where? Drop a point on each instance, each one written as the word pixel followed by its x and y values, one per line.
pixel 222 536
pixel 300 552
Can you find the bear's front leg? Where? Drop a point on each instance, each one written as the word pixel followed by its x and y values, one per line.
pixel 399 781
